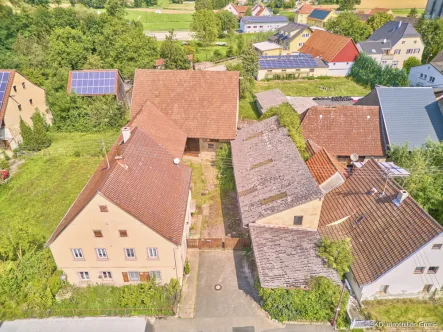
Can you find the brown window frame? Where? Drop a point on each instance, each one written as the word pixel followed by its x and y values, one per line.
pixel 97 233
pixel 103 208
pixel 123 231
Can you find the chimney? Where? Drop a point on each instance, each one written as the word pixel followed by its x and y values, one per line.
pixel 126 132
pixel 402 195
pixel 384 41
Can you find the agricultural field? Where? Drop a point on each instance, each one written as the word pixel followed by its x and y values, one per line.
pixel 160 22
pixel 392 4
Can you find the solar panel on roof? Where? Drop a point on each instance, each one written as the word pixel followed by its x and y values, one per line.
pixel 93 83
pixel 4 78
pixel 288 61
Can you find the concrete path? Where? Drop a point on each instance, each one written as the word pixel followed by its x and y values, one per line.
pixel 189 289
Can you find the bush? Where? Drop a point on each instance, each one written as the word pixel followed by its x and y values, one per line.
pixel 35 138
pixel 289 119
pixel 187 268
pixel 337 254
pixel 223 163
pixel 317 304
pixel 217 55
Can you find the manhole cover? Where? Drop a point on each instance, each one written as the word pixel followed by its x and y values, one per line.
pixel 218 287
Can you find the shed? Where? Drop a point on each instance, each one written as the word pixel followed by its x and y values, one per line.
pixel 271 98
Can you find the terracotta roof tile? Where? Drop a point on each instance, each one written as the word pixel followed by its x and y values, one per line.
pixel 204 104
pixel 324 44
pixel 344 130
pixel 152 189
pixel 386 234
pixel 306 9
pixel 322 166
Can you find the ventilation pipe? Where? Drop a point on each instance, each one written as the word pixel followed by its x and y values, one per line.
pixel 126 133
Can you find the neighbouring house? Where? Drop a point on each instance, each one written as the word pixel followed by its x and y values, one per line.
pixel 131 220
pixel 301 15
pixel 99 82
pixel 292 198
pixel 19 98
pixel 337 51
pixel 268 99
pixel 393 44
pixel 345 130
pixel 291 37
pixel 380 10
pixel 237 11
pixel 267 48
pixel 363 17
pixel 260 10
pixel 397 247
pixel 203 104
pixel 430 74
pixel 411 20
pixel 434 9
pixel 160 63
pixel 326 169
pixel 408 115
pixel 250 24
pixel 299 65
pixel 281 211
pixel 320 16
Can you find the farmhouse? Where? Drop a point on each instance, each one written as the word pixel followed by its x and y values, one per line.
pixel 203 104
pixel 393 44
pixel 237 11
pixel 298 65
pixel 430 74
pixel 396 245
pixel 337 51
pixel 301 15
pixel 19 98
pixel 249 24
pixel 291 37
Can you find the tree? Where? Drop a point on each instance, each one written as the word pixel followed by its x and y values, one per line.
pixel 151 3
pixel 249 59
pixel 205 26
pixel 413 13
pixel 240 44
pixel 411 62
pixel 379 19
pixel 35 138
pixel 248 12
pixel 203 4
pixel 115 8
pixel 346 4
pixel 227 20
pixel 337 254
pixel 348 24
pixel 173 54
pixel 431 32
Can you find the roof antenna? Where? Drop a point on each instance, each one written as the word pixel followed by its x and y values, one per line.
pixel 106 155
pixel 382 194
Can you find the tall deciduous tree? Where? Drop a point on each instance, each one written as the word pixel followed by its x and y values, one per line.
pixel 205 26
pixel 346 4
pixel 431 32
pixel 377 20
pixel 348 24
pixel 115 7
pixel 203 4
pixel 173 54
pixel 227 20
pixel 411 62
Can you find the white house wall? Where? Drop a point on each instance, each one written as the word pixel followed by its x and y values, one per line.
pixel 402 280
pixel 260 27
pixel 339 68
pixel 428 70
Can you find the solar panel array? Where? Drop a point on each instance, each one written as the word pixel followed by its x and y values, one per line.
pixel 93 82
pixel 264 19
pixel 287 61
pixel 4 78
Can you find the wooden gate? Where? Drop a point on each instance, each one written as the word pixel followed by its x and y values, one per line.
pixel 219 243
pixel 212 243
pixel 237 243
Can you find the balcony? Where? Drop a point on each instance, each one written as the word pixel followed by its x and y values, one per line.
pixel 386 57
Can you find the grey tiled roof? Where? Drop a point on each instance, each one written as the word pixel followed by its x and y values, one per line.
pixel 374 47
pixel 287 257
pixel 267 163
pixel 292 26
pixel 394 31
pixel 264 19
pixel 270 98
pixel 410 115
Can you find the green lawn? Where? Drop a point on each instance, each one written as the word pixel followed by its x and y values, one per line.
pixel 335 86
pixel 160 22
pixel 405 310
pixel 45 186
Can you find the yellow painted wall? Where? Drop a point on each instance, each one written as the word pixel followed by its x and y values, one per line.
pixel 79 234
pixel 22 97
pixel 310 212
pixel 301 18
pixel 263 73
pixel 276 51
pixel 294 45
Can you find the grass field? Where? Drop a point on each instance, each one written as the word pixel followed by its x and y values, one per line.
pixel 405 11
pixel 45 186
pixel 405 311
pixel 392 4
pixel 160 22
pixel 335 86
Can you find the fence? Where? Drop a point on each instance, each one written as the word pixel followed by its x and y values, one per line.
pixel 220 243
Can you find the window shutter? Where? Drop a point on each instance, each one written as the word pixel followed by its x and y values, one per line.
pixel 144 276
pixel 125 276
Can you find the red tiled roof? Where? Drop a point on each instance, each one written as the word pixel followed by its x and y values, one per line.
pixel 241 9
pixel 7 91
pixel 386 234
pixel 344 130
pixel 322 166
pixel 306 9
pixel 204 104
pixel 152 189
pixel 324 44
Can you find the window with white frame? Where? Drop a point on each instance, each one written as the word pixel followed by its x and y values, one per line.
pixel 416 50
pixel 397 51
pixel 152 253
pixel 425 77
pixel 421 75
pixel 431 79
pixel 106 275
pixel 101 253
pixel 394 63
pixel 84 275
pixel 77 253
pixel 134 276
pixel 403 42
pixel 155 274
pixel 409 51
pixel 300 44
pixel 384 62
pixel 130 253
